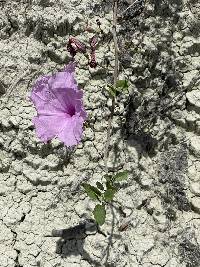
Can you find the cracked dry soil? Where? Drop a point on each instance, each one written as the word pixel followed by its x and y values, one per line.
pixel 156 136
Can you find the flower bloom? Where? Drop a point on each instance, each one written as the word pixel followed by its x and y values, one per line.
pixel 60 111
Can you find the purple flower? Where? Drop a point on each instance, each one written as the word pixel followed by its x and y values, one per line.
pixel 60 111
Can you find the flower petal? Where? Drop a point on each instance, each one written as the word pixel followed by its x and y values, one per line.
pixel 47 127
pixel 70 99
pixel 58 101
pixel 44 99
pixel 64 78
pixel 71 133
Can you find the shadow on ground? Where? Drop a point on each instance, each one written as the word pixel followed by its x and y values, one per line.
pixel 72 240
pixel 155 90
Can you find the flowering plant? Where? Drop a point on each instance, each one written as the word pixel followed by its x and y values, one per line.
pixel 60 113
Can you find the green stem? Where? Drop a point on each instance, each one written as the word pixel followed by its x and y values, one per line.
pixel 115 77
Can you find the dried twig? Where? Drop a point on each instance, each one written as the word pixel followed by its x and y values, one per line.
pixel 115 76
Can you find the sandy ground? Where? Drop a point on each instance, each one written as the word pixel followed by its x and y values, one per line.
pixel 156 136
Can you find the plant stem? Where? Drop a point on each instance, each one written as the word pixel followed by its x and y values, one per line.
pixel 135 2
pixel 115 77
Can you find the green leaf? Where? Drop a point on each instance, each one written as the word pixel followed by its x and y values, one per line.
pixel 107 177
pixel 121 176
pixel 99 185
pixel 109 181
pixel 121 85
pixel 109 194
pixel 91 191
pixel 111 90
pixel 99 213
pixel 109 185
pixel 96 190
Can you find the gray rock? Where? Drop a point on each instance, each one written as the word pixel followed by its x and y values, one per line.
pixel 195 188
pixel 195 202
pixel 194 98
pixel 195 145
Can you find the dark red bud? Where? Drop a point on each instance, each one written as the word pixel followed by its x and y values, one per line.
pixel 93 42
pixel 77 45
pixel 93 62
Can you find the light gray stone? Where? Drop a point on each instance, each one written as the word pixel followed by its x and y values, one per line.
pixel 195 188
pixel 195 145
pixel 194 98
pixel 195 201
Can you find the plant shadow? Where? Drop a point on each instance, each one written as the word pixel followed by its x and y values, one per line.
pixel 72 239
pixel 156 92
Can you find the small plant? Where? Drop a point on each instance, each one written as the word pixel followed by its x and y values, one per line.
pixel 104 193
pixel 61 113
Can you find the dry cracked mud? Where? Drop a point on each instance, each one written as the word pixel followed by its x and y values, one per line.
pixel 156 136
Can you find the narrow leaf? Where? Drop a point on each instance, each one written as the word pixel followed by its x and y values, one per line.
pixel 121 176
pixel 90 191
pixel 109 194
pixel 111 90
pixel 108 177
pixel 122 85
pixel 99 185
pixel 96 190
pixel 99 213
pixel 109 185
